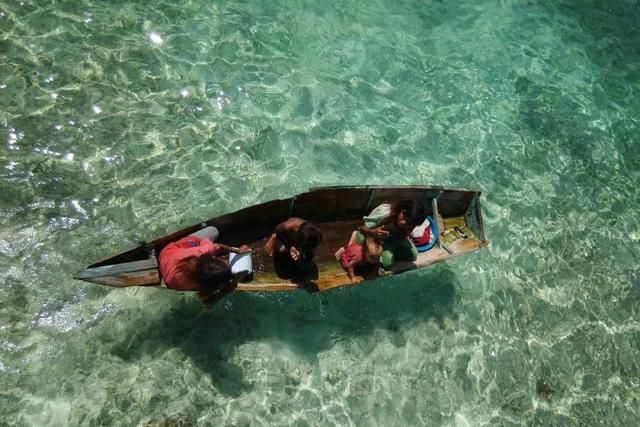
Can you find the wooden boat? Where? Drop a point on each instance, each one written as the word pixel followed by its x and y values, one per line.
pixel 337 210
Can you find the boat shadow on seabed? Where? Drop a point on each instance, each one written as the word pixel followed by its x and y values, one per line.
pixel 308 323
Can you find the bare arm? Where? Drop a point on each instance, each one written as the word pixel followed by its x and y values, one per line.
pixel 212 299
pixel 352 276
pixel 353 239
pixel 224 249
pixel 378 232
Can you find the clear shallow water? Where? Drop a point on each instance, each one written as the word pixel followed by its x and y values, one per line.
pixel 120 122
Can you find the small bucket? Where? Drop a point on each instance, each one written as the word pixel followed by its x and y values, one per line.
pixel 241 263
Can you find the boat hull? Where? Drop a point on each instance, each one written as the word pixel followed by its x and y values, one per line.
pixel 337 210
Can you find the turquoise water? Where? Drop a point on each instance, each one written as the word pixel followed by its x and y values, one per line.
pixel 121 121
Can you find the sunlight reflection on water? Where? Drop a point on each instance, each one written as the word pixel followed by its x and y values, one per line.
pixel 124 122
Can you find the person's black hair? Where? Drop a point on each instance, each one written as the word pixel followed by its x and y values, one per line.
pixel 212 272
pixel 309 236
pixel 414 212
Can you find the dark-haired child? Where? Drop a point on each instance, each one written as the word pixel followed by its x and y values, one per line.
pixel 292 247
pixel 392 224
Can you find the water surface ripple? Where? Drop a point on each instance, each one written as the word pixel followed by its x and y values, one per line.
pixel 121 121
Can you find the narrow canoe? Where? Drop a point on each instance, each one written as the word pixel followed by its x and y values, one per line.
pixel 337 210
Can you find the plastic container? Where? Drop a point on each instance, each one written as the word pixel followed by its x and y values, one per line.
pixel 241 263
pixel 434 236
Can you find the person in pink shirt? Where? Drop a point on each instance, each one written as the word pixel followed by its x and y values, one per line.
pixel 364 257
pixel 194 263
